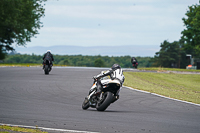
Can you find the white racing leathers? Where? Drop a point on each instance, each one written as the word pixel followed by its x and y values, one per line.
pixel 116 74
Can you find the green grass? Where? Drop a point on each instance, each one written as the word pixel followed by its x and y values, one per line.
pixel 19 129
pixel 20 64
pixel 161 69
pixel 24 65
pixel 179 86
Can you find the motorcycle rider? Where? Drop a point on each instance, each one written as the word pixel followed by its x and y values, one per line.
pixel 134 61
pixel 48 56
pixel 115 73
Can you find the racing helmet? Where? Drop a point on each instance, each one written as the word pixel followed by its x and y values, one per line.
pixel 49 51
pixel 115 66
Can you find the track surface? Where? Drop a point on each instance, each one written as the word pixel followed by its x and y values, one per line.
pixel 28 97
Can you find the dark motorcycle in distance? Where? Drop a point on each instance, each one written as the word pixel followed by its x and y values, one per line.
pixel 135 64
pixel 47 67
pixel 103 98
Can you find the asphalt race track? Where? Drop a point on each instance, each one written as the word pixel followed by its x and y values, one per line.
pixel 28 97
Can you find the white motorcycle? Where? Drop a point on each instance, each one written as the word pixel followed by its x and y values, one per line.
pixel 103 92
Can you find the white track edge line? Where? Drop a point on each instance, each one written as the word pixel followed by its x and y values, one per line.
pixel 48 129
pixel 161 96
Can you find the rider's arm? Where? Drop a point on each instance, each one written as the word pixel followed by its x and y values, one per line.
pixel 103 74
pixel 52 57
pixel 44 56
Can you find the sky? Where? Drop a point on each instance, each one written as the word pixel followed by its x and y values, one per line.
pixel 111 22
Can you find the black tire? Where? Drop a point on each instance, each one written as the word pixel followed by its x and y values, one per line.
pixel 105 102
pixel 46 69
pixel 85 104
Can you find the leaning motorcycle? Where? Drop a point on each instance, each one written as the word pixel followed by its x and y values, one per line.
pixel 47 67
pixel 103 97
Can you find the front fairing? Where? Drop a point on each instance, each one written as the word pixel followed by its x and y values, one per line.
pixel 93 86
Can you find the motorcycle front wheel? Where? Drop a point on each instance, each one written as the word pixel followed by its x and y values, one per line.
pixel 85 104
pixel 106 100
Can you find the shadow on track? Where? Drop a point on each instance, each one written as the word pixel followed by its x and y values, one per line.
pixel 110 111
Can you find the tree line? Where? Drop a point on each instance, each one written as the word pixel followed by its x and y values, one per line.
pixel 79 60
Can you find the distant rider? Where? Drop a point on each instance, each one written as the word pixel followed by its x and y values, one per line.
pixel 115 73
pixel 48 56
pixel 134 62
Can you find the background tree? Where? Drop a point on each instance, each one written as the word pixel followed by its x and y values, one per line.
pixel 99 63
pixel 64 62
pixel 19 21
pixel 170 55
pixel 191 34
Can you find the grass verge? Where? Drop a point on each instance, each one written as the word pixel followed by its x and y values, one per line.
pixel 24 65
pixel 19 64
pixel 161 69
pixel 19 129
pixel 179 86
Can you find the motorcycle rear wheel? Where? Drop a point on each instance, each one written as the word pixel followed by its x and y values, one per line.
pixel 85 104
pixel 105 101
pixel 46 69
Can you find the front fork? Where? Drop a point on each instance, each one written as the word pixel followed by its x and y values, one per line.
pixel 92 93
pixel 101 96
pixel 93 101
